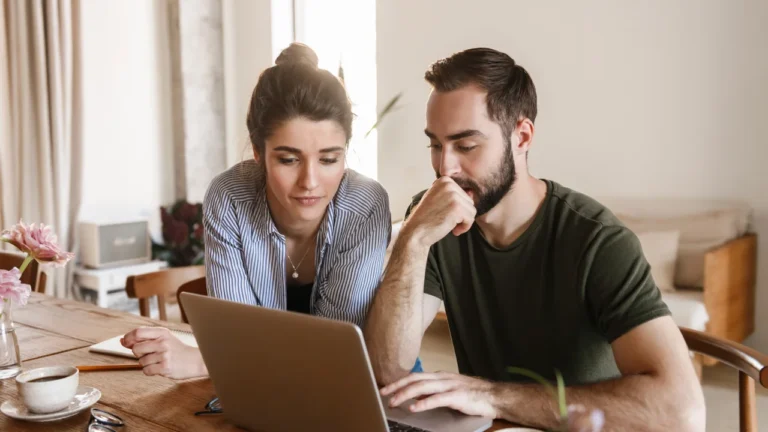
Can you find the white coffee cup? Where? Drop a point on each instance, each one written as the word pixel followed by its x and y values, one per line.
pixel 48 389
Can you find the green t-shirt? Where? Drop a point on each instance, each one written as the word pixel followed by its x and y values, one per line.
pixel 555 298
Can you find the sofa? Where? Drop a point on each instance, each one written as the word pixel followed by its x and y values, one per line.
pixel 703 258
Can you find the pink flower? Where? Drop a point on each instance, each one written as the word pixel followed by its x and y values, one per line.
pixel 11 287
pixel 38 241
pixel 581 419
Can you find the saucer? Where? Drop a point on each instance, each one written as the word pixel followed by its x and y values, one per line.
pixel 84 398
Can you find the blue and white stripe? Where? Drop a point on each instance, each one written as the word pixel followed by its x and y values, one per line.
pixel 245 254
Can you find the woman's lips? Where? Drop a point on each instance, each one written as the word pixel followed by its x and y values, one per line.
pixel 307 201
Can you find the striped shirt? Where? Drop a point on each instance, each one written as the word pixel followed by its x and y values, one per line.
pixel 245 254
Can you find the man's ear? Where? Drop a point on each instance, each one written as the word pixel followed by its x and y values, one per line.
pixel 524 136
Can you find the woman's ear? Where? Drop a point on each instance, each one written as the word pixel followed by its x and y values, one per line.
pixel 256 156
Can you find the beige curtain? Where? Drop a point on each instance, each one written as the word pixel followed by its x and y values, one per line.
pixel 40 145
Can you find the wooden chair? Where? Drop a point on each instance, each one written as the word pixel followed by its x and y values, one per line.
pixel 196 286
pixel 752 366
pixel 9 260
pixel 160 284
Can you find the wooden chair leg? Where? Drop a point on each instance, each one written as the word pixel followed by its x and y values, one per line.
pixel 144 307
pixel 747 408
pixel 161 307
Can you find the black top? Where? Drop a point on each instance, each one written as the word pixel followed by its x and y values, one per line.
pixel 299 297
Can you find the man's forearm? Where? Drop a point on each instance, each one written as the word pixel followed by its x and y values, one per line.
pixel 393 329
pixel 631 403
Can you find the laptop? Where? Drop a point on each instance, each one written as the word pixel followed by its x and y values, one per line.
pixel 283 371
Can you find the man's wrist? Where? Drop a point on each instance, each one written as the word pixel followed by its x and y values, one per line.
pixel 501 396
pixel 412 239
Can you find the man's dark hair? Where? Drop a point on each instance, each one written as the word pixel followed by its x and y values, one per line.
pixel 511 93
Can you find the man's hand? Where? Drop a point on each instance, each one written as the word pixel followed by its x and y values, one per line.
pixel 162 353
pixel 472 396
pixel 444 208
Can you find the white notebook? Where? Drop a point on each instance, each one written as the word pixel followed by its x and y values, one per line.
pixel 112 346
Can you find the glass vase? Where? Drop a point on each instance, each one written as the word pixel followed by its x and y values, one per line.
pixel 10 360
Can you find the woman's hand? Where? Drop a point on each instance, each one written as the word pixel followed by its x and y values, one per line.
pixel 162 353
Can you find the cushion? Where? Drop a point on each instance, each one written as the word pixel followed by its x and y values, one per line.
pixel 687 308
pixel 660 250
pixel 699 233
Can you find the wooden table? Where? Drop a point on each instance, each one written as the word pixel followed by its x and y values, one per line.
pixel 58 332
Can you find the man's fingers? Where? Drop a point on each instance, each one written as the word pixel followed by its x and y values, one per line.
pixel 422 388
pixel 461 228
pixel 450 399
pixel 402 382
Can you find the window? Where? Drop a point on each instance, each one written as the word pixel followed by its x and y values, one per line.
pixel 344 32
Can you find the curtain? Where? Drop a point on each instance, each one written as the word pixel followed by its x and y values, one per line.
pixel 40 115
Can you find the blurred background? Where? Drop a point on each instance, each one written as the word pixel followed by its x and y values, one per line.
pixel 112 109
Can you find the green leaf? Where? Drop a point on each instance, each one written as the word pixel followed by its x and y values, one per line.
pixel 533 375
pixel 561 394
pixel 387 109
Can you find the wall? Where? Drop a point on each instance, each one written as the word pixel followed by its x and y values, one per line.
pixel 128 164
pixel 255 31
pixel 652 98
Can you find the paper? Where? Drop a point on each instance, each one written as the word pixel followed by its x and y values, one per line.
pixel 114 347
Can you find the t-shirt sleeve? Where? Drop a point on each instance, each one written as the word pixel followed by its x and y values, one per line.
pixel 432 284
pixel 620 290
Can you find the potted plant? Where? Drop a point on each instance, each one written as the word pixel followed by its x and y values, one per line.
pixel 182 230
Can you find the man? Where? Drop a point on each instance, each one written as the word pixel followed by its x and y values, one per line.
pixel 532 274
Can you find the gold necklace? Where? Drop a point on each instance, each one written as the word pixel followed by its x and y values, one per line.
pixel 295 273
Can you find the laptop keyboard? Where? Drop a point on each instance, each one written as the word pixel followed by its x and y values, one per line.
pixel 399 427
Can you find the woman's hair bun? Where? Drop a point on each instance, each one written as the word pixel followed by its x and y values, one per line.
pixel 297 53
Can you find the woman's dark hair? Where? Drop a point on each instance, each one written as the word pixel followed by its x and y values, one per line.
pixel 296 88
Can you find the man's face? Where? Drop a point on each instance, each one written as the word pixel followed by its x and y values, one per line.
pixel 468 146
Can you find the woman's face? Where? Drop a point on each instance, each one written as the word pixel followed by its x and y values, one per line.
pixel 304 161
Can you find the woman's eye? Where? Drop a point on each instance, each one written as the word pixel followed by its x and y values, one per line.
pixel 435 146
pixel 287 161
pixel 329 161
pixel 467 149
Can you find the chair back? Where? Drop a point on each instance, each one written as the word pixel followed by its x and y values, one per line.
pixel 196 286
pixel 751 364
pixel 160 284
pixel 9 260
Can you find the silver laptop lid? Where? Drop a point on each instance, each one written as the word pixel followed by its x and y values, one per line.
pixel 283 371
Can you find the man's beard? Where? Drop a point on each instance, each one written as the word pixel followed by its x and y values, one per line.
pixel 494 187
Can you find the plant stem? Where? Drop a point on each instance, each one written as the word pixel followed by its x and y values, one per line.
pixel 533 375
pixel 561 394
pixel 26 262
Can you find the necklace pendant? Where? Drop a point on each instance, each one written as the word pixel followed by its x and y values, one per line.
pixel 295 275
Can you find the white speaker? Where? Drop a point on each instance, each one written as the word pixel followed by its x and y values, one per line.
pixel 111 244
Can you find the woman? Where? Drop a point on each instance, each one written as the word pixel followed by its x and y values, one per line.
pixel 291 229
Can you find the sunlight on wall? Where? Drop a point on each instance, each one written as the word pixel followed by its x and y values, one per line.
pixel 327 28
